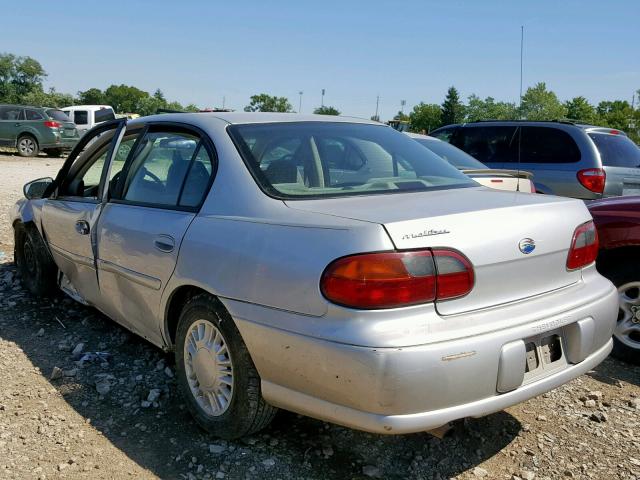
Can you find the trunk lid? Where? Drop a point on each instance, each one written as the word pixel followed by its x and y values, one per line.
pixel 487 226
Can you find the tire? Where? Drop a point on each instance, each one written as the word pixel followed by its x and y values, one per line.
pixel 27 146
pixel 238 409
pixel 54 152
pixel 625 275
pixel 35 266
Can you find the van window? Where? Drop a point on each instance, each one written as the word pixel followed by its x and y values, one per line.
pixel 616 150
pixel 547 145
pixel 490 144
pixel 103 115
pixel 81 117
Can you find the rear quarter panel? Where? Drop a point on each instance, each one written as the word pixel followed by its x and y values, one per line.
pixel 617 221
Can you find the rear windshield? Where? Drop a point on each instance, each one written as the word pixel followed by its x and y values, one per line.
pixel 58 115
pixel 322 159
pixel 103 115
pixel 616 150
pixel 451 154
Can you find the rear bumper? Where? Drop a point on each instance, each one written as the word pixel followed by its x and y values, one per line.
pixel 417 388
pixel 65 143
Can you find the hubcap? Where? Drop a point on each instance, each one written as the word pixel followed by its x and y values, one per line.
pixel 628 328
pixel 27 145
pixel 208 367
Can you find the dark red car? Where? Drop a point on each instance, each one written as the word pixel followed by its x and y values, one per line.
pixel 618 223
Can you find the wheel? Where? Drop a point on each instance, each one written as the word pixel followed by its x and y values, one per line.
pixel 28 146
pixel 36 267
pixel 215 373
pixel 54 152
pixel 626 337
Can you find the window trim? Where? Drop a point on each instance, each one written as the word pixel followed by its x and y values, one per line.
pixel 169 127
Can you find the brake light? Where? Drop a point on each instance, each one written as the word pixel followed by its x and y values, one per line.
pixel 584 246
pixel 533 187
pixel 614 132
pixel 52 124
pixel 592 179
pixel 397 279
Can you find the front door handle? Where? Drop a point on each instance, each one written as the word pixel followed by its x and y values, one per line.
pixel 164 243
pixel 82 227
pixel 18 124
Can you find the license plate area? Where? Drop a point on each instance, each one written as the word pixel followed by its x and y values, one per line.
pixel 544 355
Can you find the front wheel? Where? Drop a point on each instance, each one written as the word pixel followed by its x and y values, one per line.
pixel 216 375
pixel 28 146
pixel 35 266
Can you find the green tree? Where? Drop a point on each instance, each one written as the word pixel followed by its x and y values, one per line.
pixel 538 103
pixel 158 95
pixel 425 117
pixel 268 103
pixel 19 76
pixel 125 98
pixel 326 110
pixel 452 107
pixel 617 114
pixel 191 108
pixel 580 110
pixel 92 96
pixel 488 109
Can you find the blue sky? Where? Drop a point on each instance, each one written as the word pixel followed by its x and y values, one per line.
pixel 199 51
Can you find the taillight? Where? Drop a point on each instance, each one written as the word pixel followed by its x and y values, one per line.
pixel 533 187
pixel 592 179
pixel 584 246
pixel 52 124
pixel 397 279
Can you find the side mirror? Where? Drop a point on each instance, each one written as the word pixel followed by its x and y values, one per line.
pixel 36 188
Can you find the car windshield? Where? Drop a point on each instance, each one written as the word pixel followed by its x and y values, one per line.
pixel 451 154
pixel 616 150
pixel 321 159
pixel 58 115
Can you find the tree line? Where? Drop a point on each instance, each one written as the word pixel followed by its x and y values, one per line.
pixel 21 81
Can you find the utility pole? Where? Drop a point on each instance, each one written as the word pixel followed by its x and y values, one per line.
pixel 322 99
pixel 521 57
pixel 377 104
pixel 224 100
pixel 300 103
pixel 402 104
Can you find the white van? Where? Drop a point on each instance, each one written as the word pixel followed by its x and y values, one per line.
pixel 88 116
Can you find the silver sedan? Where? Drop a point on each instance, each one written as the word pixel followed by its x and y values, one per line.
pixel 329 266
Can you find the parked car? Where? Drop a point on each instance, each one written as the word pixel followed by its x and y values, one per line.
pixel 500 179
pixel 88 116
pixel 329 266
pixel 618 223
pixel 34 129
pixel 573 160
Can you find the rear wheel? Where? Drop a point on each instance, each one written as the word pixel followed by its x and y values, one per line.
pixel 28 146
pixel 34 263
pixel 626 337
pixel 216 375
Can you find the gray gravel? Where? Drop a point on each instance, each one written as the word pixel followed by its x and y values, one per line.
pixel 83 398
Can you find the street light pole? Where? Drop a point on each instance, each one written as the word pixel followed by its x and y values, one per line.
pixel 300 103
pixel 322 99
pixel 402 104
pixel 377 104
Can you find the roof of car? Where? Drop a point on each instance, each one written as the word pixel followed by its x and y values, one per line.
pixel 422 137
pixel 536 122
pixel 255 117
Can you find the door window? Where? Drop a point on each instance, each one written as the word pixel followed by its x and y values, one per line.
pixel 547 145
pixel 169 169
pixel 11 113
pixel 80 117
pixel 488 144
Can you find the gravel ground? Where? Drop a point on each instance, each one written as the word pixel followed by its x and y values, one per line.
pixel 118 415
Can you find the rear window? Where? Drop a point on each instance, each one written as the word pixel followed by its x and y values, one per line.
pixel 58 115
pixel 453 155
pixel 323 159
pixel 103 115
pixel 616 150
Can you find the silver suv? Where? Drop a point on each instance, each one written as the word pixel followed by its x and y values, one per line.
pixel 573 160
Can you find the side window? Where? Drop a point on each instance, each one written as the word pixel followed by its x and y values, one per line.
pixel 80 117
pixel 11 113
pixel 489 144
pixel 33 115
pixel 339 155
pixel 86 182
pixel 443 133
pixel 162 165
pixel 548 145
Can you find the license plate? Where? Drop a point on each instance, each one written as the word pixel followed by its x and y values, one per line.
pixel 69 132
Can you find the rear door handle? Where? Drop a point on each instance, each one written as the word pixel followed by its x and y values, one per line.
pixel 82 227
pixel 164 243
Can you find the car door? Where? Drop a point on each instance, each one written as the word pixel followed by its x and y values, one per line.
pixel 11 120
pixel 70 215
pixel 142 225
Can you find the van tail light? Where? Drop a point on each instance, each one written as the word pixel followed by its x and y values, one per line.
pixel 397 279
pixel 584 246
pixel 592 179
pixel 52 124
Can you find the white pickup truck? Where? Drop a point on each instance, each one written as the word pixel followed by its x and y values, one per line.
pixel 88 116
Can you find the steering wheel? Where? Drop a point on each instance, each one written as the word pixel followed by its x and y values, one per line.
pixel 153 176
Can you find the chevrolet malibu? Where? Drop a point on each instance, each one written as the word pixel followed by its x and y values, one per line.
pixel 335 268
